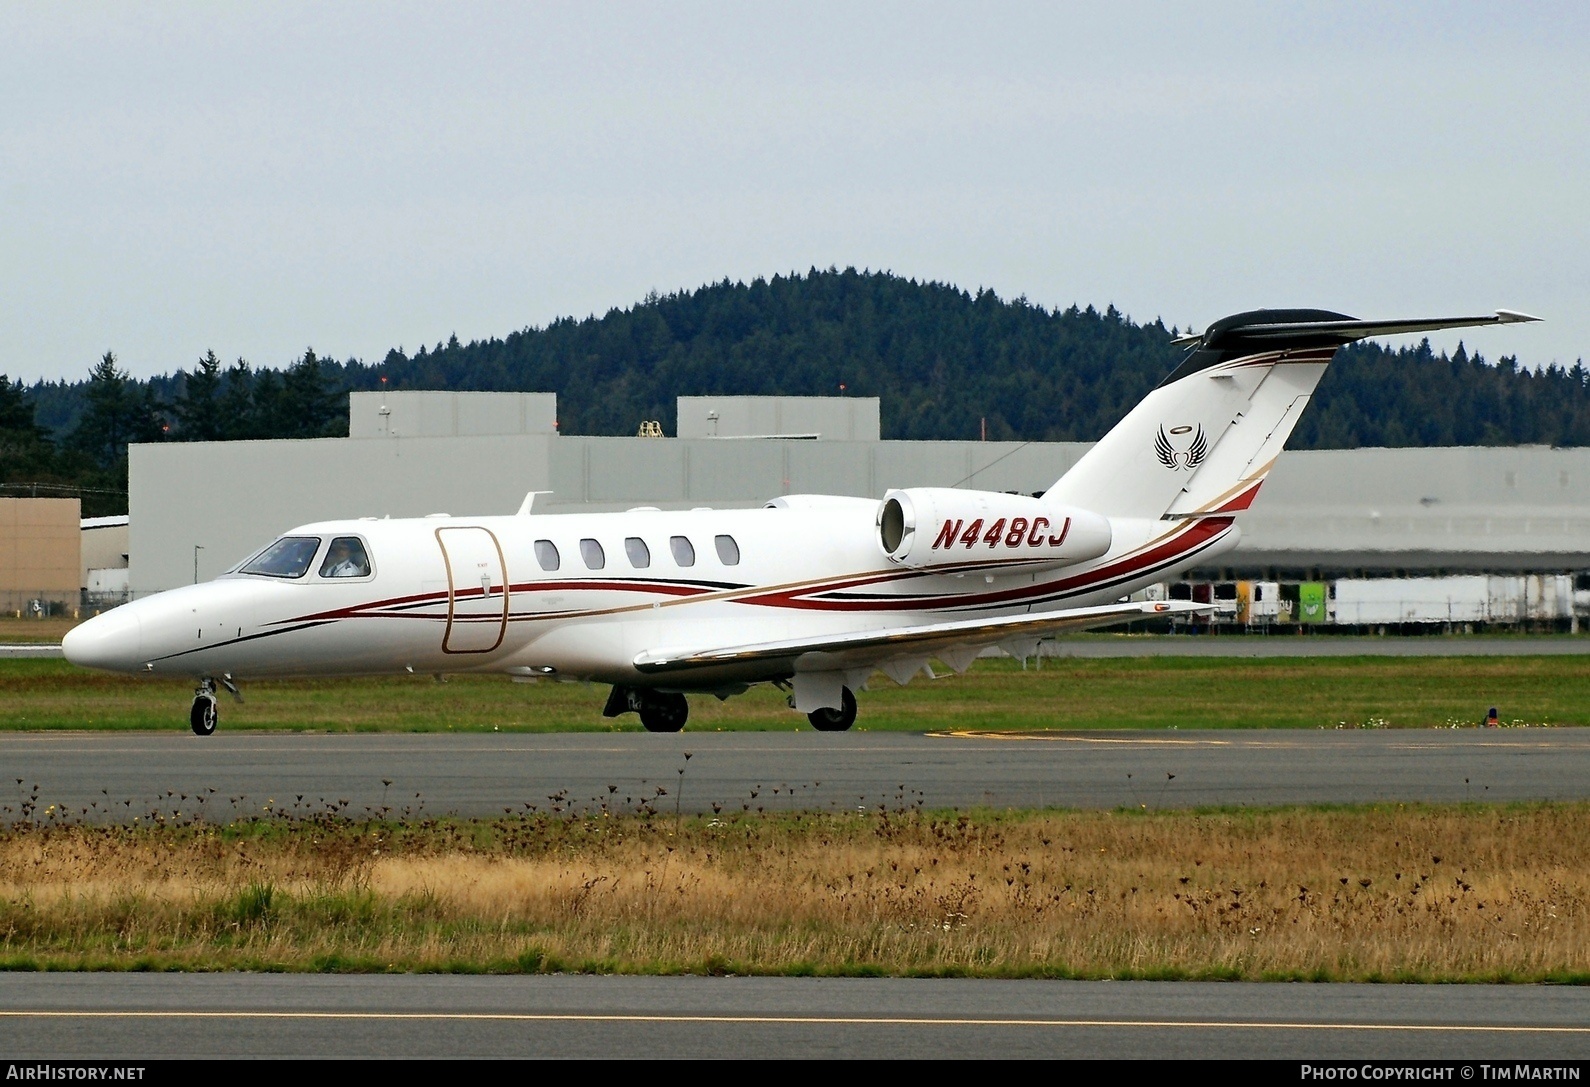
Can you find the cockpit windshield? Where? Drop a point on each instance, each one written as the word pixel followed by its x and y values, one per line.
pixel 346 558
pixel 289 556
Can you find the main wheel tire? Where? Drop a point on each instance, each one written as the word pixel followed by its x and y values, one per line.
pixel 664 712
pixel 833 719
pixel 204 715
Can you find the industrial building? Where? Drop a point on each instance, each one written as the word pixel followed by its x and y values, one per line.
pixel 39 555
pixel 1516 519
pixel 104 558
pixel 52 561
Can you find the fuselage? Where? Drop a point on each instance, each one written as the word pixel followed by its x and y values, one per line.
pixel 578 596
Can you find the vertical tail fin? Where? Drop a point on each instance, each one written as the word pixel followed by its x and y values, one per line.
pixel 1204 440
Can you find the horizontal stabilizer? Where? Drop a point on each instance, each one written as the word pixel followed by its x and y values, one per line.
pixel 867 646
pixel 1318 328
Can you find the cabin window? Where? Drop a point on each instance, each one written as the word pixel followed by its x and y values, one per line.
pixel 591 552
pixel 728 550
pixel 547 555
pixel 684 553
pixel 289 556
pixel 639 554
pixel 346 558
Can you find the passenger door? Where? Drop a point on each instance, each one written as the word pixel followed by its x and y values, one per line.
pixel 477 590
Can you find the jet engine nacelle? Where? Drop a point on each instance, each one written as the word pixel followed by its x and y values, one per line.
pixel 941 526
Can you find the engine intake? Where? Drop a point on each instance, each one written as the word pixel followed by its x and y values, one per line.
pixel 941 526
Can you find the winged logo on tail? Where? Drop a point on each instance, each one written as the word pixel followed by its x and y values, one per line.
pixel 1175 459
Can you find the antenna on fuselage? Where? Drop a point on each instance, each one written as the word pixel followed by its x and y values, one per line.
pixel 529 501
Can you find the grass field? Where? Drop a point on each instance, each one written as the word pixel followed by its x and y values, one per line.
pixel 1321 692
pixel 1481 893
pixel 20 631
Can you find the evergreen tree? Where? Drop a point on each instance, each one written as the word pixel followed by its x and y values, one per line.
pixel 102 431
pixel 198 406
pixel 235 406
pixel 312 409
pixel 268 416
pixel 16 410
pixel 26 454
pixel 119 411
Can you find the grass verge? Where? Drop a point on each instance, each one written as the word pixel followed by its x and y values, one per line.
pixel 49 631
pixel 1389 893
pixel 1328 692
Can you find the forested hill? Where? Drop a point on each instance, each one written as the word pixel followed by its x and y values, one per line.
pixel 942 360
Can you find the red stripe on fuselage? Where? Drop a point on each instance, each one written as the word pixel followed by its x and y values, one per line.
pixel 1189 539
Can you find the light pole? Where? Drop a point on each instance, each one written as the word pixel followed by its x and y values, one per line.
pixel 196 549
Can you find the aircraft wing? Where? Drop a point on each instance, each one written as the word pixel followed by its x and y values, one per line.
pixel 957 643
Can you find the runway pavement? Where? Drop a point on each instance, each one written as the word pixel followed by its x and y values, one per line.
pixel 31 650
pixel 128 1017
pixel 122 775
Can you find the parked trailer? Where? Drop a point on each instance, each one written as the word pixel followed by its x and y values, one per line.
pixel 1549 596
pixel 1476 598
pixel 1260 602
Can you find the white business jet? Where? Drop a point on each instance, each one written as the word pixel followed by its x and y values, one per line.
pixel 813 593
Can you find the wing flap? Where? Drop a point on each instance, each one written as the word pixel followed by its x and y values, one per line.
pixel 834 651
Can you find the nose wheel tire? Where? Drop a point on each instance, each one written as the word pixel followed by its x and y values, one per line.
pixel 835 719
pixel 664 712
pixel 204 716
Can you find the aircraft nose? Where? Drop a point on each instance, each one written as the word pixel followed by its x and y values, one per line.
pixel 111 641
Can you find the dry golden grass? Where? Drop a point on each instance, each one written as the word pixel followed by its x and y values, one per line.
pixel 1430 894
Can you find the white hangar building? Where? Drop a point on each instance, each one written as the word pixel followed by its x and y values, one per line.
pixel 198 508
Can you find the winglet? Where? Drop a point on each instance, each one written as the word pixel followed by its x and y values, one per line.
pixel 1512 317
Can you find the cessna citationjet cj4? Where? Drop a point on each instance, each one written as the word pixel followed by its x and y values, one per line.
pixel 813 593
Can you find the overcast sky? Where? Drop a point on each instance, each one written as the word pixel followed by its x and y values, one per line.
pixel 256 178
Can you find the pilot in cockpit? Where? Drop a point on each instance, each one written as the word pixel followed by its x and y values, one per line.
pixel 345 558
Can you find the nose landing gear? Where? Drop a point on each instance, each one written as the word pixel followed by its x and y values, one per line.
pixel 204 716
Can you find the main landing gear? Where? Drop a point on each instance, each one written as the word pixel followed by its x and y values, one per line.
pixel 666 711
pixel 204 715
pixel 835 718
pixel 660 711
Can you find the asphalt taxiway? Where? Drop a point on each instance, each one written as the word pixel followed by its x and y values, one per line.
pixel 228 775
pixel 128 1017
